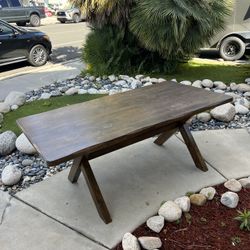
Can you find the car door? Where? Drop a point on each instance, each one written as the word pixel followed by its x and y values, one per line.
pixel 11 46
pixel 4 10
pixel 16 11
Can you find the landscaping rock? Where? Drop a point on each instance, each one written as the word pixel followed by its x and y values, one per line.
pixel 245 182
pixel 112 78
pixel 224 112
pixel 170 211
pixel 240 109
pixel 198 199
pixel 220 85
pixel 45 96
pixel 130 242
pixel 183 203
pixel 197 84
pixel 247 94
pixel 27 162
pixel 156 223
pixel 15 98
pixel 243 87
pixel 139 77
pixel 204 117
pixel 92 91
pixel 150 243
pixel 14 107
pixel 71 91
pixel 82 91
pixel 188 83
pixel 1 118
pixel 136 84
pixel 235 96
pixel 233 185
pixel 230 199
pixel 244 102
pixel 24 145
pixel 233 86
pixel 209 192
pixel 7 142
pixel 11 175
pixel 4 108
pixel 206 83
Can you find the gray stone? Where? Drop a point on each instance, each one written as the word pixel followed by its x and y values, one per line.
pixel 183 203
pixel 244 102
pixel 112 78
pixel 240 109
pixel 161 80
pixel 7 142
pixel 71 91
pixel 245 182
pixel 220 85
pixel 219 91
pixel 233 86
pixel 243 87
pixel 130 242
pixel 92 91
pixel 247 80
pixel 150 243
pixel 136 84
pixel 11 175
pixel 82 91
pixel 120 83
pixel 147 84
pixel 139 77
pixel 14 107
pixel 230 199
pixel 156 223
pixel 247 94
pixel 188 83
pixel 224 112
pixel 233 185
pixel 204 117
pixel 154 80
pixel 197 84
pixel 206 83
pixel 92 78
pixel 235 96
pixel 1 118
pixel 209 192
pixel 15 98
pixel 45 96
pixel 4 108
pixel 27 162
pixel 170 211
pixel 24 145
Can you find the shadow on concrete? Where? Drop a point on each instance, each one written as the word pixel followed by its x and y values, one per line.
pixel 65 53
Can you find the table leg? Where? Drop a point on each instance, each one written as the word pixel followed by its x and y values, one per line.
pixel 164 137
pixel 95 191
pixel 193 148
pixel 75 170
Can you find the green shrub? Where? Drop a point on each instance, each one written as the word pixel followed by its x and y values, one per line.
pixel 111 50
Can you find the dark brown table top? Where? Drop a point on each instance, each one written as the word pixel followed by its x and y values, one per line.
pixel 71 131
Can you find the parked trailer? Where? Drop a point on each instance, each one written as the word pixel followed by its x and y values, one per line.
pixel 234 42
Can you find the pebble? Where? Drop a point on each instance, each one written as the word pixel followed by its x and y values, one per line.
pixel 156 223
pixel 233 185
pixel 24 145
pixel 130 242
pixel 4 108
pixel 7 142
pixel 198 199
pixel 150 243
pixel 183 203
pixel 15 98
pixel 209 192
pixel 27 162
pixel 230 199
pixel 204 117
pixel 206 83
pixel 170 211
pixel 225 112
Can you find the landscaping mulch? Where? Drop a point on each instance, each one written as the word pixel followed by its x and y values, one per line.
pixel 211 226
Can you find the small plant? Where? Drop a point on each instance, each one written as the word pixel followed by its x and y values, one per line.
pixel 188 218
pixel 189 193
pixel 244 218
pixel 235 240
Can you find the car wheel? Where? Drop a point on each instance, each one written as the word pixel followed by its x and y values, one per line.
pixel 38 55
pixel 21 23
pixel 76 18
pixel 35 20
pixel 232 48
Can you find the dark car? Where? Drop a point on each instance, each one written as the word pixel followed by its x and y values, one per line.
pixel 14 11
pixel 20 44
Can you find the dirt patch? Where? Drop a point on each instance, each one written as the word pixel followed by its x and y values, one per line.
pixel 211 226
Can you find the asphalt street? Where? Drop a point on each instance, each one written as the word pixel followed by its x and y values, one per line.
pixel 67 40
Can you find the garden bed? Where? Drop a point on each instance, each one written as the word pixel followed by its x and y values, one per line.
pixel 211 226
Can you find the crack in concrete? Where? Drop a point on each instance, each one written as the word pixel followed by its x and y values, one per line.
pixel 60 222
pixel 8 204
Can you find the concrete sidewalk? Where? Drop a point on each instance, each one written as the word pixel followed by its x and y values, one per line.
pixel 39 77
pixel 55 214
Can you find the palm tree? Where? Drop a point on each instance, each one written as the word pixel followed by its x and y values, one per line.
pixel 177 28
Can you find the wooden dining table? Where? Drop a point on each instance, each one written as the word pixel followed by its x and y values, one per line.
pixel 91 129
